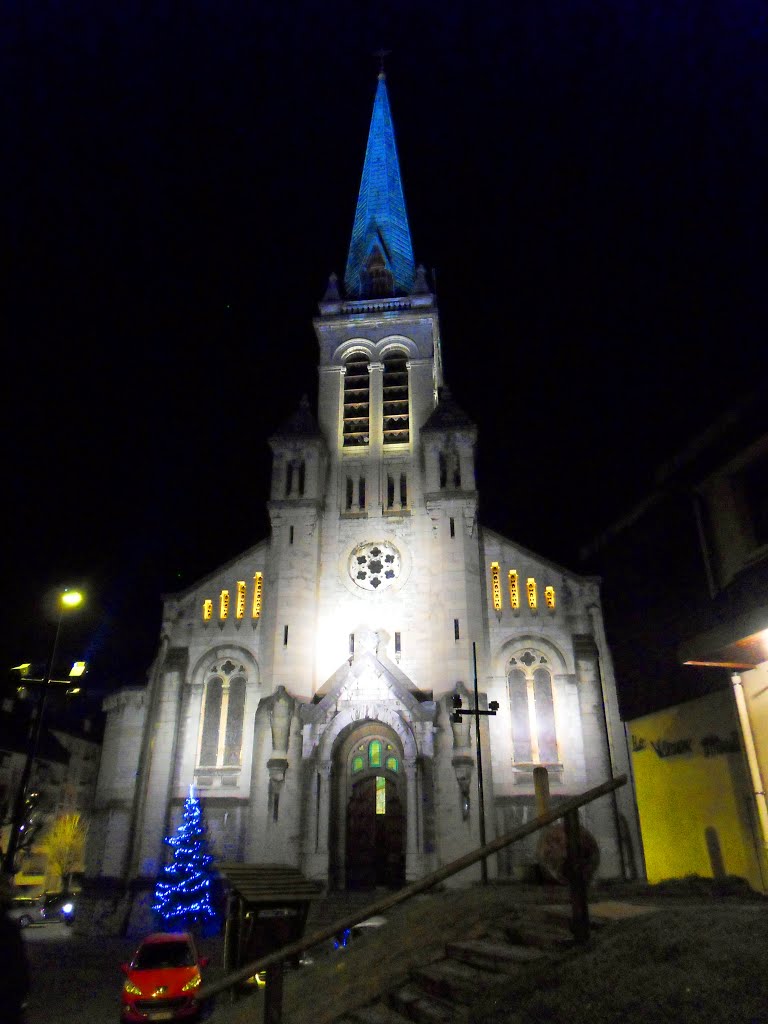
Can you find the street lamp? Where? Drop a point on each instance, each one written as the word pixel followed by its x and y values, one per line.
pixel 476 712
pixel 67 599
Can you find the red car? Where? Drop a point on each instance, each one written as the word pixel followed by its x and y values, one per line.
pixel 162 979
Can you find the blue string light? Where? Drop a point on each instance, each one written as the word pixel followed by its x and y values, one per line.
pixel 183 892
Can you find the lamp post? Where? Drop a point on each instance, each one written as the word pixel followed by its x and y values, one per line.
pixel 476 712
pixel 67 599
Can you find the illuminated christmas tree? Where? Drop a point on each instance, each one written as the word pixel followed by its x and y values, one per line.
pixel 183 896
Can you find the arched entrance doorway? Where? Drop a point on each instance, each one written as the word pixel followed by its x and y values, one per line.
pixel 371 809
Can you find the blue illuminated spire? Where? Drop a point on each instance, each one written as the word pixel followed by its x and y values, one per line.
pixel 380 260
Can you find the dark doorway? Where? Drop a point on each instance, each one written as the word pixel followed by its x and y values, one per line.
pixel 375 835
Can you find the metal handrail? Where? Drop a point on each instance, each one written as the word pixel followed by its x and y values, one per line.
pixel 566 808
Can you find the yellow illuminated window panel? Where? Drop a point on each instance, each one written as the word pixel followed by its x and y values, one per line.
pixel 549 597
pixel 240 606
pixel 207 610
pixel 223 604
pixel 514 589
pixel 258 584
pixel 381 795
pixel 530 587
pixel 496 585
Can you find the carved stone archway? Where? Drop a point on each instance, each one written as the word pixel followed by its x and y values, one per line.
pixel 368 808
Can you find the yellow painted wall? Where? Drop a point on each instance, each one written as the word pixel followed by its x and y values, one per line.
pixel 755 683
pixel 683 794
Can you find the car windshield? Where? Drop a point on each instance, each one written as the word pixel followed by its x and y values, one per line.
pixel 156 955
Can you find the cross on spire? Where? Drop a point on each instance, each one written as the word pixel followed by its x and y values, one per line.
pixel 381 54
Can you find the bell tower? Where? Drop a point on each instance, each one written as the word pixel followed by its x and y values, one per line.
pixel 379 340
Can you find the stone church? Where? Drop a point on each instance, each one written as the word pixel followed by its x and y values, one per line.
pixel 306 687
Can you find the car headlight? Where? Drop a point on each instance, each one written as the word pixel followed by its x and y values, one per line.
pixel 131 989
pixel 67 908
pixel 193 982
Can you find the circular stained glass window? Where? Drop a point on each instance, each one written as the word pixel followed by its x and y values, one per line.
pixel 374 566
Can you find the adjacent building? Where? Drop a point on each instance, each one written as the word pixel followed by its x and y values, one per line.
pixel 63 782
pixel 686 583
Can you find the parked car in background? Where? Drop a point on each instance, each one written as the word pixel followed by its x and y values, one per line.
pixel 162 979
pixel 58 906
pixel 25 910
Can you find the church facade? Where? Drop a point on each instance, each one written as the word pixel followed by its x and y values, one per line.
pixel 306 688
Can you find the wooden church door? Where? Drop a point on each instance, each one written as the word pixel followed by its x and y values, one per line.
pixel 375 835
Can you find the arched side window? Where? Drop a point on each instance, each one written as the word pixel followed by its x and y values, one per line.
pixel 357 399
pixel 209 740
pixel 396 422
pixel 222 716
pixel 532 707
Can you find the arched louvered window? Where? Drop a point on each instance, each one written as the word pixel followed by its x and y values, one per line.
pixel 223 714
pixel 396 420
pixel 357 398
pixel 532 706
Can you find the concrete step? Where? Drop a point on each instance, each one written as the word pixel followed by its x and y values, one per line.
pixel 494 956
pixel 412 1002
pixel 541 934
pixel 376 1013
pixel 456 982
pixel 561 913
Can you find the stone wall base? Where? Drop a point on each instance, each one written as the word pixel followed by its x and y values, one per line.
pixel 109 906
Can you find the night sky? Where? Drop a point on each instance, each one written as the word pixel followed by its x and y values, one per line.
pixel 588 180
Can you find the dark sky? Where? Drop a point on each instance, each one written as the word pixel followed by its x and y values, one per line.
pixel 587 179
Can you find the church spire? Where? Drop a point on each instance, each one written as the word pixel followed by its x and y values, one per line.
pixel 380 260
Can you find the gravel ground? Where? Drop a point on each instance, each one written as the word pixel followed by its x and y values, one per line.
pixel 77 977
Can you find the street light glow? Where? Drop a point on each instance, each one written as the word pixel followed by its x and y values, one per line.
pixel 71 598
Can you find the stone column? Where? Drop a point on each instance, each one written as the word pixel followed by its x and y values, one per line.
pixel 412 856
pixel 601 817
pixel 153 822
pixel 317 861
pixel 376 406
pixel 318 818
pixel 325 806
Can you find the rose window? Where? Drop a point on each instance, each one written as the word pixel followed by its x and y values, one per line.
pixel 374 566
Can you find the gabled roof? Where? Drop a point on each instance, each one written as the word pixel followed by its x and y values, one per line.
pixel 447 415
pixel 390 680
pixel 301 424
pixel 380 218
